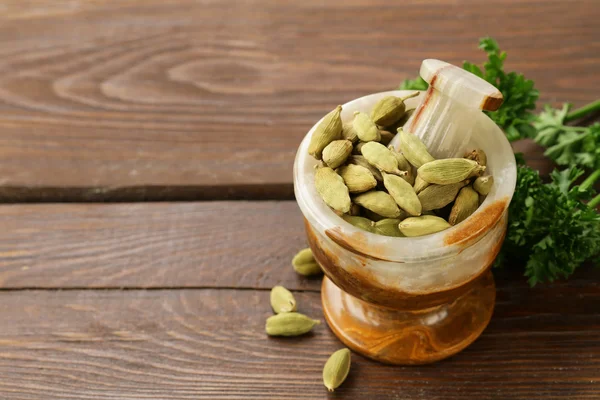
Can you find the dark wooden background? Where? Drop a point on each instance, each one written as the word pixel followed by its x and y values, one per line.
pixel 173 125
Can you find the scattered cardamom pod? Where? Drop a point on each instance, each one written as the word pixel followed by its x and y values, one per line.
pixel 360 222
pixel 390 109
pixel 305 264
pixel 386 137
pixel 477 155
pixel 419 184
pixel 423 225
pixel 402 121
pixel 332 189
pixel 289 324
pixel 379 202
pixel 413 149
pixel 349 133
pixel 360 160
pixel 388 227
pixel 466 203
pixel 483 184
pixel 449 170
pixel 282 300
pixel 365 128
pixel 336 153
pixel 328 130
pixel 358 179
pixel 438 196
pixel 382 158
pixel 403 194
pixel 336 369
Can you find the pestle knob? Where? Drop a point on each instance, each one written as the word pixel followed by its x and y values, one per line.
pixel 445 119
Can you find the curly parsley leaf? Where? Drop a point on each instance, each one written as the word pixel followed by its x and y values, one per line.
pixel 549 228
pixel 414 84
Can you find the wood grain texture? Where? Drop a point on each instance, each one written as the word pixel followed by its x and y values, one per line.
pixel 208 244
pixel 210 344
pixel 141 99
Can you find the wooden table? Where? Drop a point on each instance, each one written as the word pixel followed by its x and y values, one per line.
pixel 146 151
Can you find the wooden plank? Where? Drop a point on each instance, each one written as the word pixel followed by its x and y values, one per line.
pixel 210 344
pixel 208 244
pixel 152 99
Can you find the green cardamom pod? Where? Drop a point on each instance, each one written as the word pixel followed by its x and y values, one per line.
pixel 349 133
pixel 360 160
pixel 423 225
pixel 358 179
pixel 379 202
pixel 365 128
pixel 438 196
pixel 388 227
pixel 381 157
pixel 477 155
pixel 466 204
pixel 336 369
pixel 449 170
pixel 336 153
pixel 376 217
pixel 386 137
pixel 289 324
pixel 419 184
pixel 282 300
pixel 403 163
pixel 390 109
pixel 403 194
pixel 328 130
pixel 332 189
pixel 483 184
pixel 360 222
pixel 413 149
pixel 304 263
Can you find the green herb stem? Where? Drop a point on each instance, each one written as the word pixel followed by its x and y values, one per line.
pixel 590 180
pixel 583 111
pixel 594 202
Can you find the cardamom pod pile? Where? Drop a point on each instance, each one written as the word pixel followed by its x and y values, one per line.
pixel 403 193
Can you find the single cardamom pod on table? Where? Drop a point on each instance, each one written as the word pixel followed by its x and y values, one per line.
pixel 358 179
pixel 438 196
pixel 449 170
pixel 382 158
pixel 336 369
pixel 328 130
pixel 413 149
pixel 483 184
pixel 379 202
pixel 423 225
pixel 289 324
pixel 466 204
pixel 365 128
pixel 403 194
pixel 305 264
pixel 282 300
pixel 332 189
pixel 336 153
